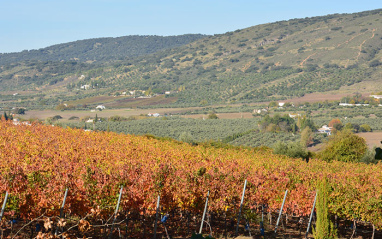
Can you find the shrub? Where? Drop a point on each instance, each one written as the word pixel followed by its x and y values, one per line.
pixel 292 149
pixel 344 146
pixel 324 227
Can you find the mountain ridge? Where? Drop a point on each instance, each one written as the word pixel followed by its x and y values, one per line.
pixel 274 61
pixel 101 49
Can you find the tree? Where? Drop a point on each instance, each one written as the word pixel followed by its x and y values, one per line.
pixel 61 107
pixel 306 137
pixel 365 128
pixel 186 137
pixel 344 146
pixel 56 117
pixel 273 104
pixel 336 124
pixel 20 111
pixel 5 116
pixel 304 122
pixel 292 149
pixel 212 116
pixel 324 226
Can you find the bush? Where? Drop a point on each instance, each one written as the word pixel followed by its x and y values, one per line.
pixel 324 227
pixel 344 146
pixel 365 128
pixel 292 149
pixel 375 63
pixel 56 117
pixel 212 116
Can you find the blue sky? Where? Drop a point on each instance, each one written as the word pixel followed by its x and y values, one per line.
pixel 34 24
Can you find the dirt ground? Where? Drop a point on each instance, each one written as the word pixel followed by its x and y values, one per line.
pixel 372 138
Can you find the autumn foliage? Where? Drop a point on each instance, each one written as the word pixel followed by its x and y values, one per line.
pixel 37 164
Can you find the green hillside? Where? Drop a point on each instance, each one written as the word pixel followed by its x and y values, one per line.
pixel 274 61
pixel 101 49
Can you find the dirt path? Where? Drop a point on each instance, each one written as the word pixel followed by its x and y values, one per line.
pixel 302 63
pixel 360 46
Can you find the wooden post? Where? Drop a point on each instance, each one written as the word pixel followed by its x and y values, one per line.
pixel 311 216
pixel 4 204
pixel 241 205
pixel 156 219
pixel 204 213
pixel 281 211
pixel 115 213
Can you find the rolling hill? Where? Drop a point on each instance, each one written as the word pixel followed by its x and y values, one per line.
pixel 274 61
pixel 101 49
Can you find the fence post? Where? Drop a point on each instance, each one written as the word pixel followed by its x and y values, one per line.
pixel 115 213
pixel 204 213
pixel 241 205
pixel 262 220
pixel 281 211
pixel 156 218
pixel 63 204
pixel 311 215
pixel 4 204
pixel 62 209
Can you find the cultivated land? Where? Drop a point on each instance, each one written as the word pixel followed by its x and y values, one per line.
pixel 326 56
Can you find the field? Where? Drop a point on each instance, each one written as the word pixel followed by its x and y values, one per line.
pixel 372 138
pixel 124 112
pixel 98 164
pixel 238 114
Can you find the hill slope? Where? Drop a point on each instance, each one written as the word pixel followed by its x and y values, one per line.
pixel 101 49
pixel 272 61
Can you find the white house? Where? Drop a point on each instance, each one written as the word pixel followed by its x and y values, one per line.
pixel 376 96
pixel 325 130
pixel 153 114
pixel 85 87
pixel 281 104
pixel 260 111
pixel 100 107
pixel 294 115
pixel 347 104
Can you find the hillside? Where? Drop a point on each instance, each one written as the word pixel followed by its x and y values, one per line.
pixel 101 49
pixel 282 60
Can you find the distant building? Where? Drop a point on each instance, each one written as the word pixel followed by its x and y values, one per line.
pixel 85 87
pixel 376 96
pixel 100 107
pixel 347 104
pixel 153 114
pixel 325 130
pixel 260 111
pixel 294 115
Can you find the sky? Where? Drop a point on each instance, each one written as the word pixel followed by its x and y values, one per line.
pixel 35 24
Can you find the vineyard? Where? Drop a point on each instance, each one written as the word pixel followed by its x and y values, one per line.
pixel 38 163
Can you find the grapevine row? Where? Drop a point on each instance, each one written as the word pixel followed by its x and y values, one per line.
pixel 37 164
